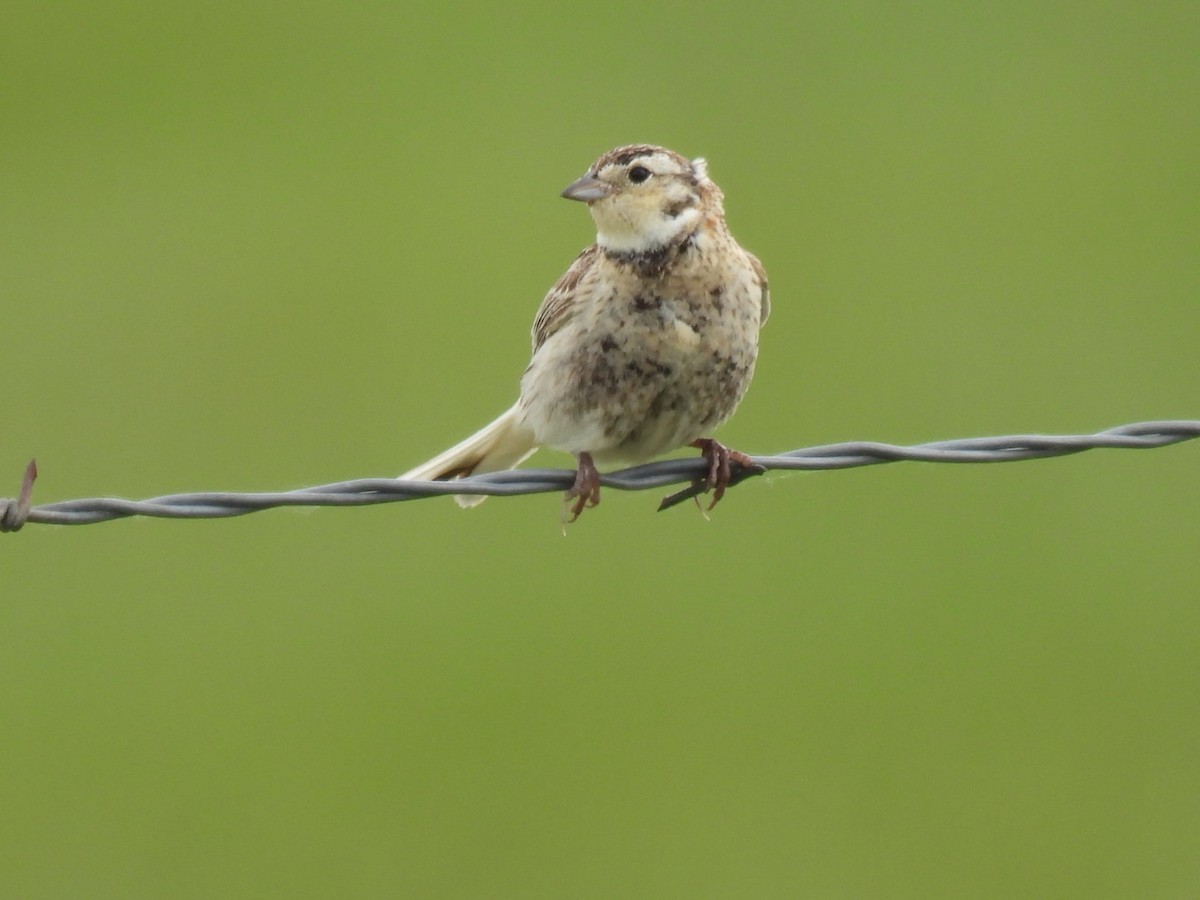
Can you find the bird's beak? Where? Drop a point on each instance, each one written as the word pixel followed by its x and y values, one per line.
pixel 587 189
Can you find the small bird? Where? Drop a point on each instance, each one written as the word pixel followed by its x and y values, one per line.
pixel 645 344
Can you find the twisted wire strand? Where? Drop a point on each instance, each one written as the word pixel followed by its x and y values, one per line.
pixel 17 512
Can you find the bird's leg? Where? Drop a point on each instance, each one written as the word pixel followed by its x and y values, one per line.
pixel 586 489
pixel 719 471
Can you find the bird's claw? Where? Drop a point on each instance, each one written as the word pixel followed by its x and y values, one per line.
pixel 585 491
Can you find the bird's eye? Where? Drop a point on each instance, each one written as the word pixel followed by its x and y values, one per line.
pixel 638 174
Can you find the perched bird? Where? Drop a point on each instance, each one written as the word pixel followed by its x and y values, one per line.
pixel 645 344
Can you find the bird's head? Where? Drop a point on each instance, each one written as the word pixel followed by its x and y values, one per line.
pixel 644 197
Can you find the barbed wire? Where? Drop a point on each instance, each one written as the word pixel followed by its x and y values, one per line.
pixel 17 512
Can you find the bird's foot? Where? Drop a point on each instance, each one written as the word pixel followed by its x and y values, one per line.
pixel 720 470
pixel 584 492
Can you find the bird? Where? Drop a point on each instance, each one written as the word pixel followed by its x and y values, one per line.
pixel 647 342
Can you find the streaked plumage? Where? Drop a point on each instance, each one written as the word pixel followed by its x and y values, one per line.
pixel 647 342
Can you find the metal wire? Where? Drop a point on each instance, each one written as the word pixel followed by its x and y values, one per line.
pixel 368 491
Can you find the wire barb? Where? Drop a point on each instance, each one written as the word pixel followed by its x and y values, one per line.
pixel 15 513
pixel 369 491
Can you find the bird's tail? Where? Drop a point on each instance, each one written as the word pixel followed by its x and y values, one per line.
pixel 504 444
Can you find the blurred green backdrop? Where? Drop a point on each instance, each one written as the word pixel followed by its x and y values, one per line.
pixel 259 246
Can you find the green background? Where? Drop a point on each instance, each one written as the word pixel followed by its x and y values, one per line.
pixel 260 246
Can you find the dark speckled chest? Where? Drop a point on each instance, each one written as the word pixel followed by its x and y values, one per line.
pixel 675 337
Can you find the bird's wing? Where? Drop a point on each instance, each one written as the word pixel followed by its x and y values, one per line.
pixel 760 275
pixel 561 302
